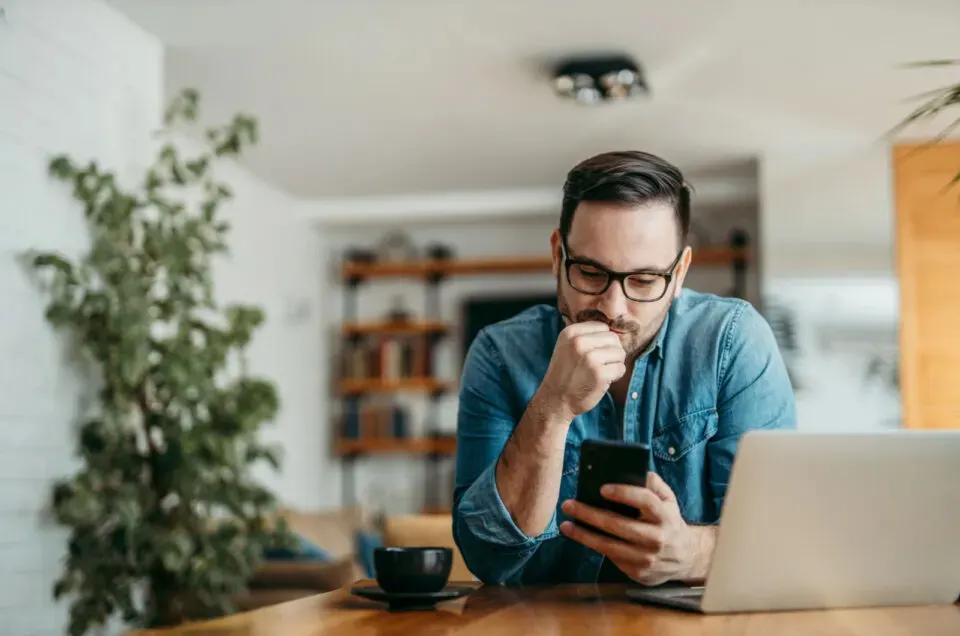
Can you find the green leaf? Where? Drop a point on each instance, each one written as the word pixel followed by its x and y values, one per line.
pixel 57 262
pixel 198 167
pixel 271 455
pixel 62 168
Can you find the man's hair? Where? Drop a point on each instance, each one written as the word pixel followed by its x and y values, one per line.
pixel 628 177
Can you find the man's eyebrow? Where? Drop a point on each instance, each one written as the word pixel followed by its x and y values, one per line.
pixel 590 261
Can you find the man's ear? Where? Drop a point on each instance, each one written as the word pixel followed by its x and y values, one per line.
pixel 682 268
pixel 555 251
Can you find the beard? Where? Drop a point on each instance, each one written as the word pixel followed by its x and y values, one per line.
pixel 635 335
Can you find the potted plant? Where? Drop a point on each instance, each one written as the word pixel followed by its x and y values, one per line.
pixel 166 522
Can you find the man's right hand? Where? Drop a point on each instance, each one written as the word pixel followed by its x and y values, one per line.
pixel 587 359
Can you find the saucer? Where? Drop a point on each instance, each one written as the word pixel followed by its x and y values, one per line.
pixel 410 600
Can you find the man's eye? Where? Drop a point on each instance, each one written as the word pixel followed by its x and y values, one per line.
pixel 591 272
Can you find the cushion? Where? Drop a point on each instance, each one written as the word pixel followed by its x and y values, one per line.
pixel 427 530
pixel 331 530
pixel 367 542
pixel 305 550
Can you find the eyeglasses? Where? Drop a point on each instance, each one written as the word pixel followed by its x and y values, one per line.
pixel 643 286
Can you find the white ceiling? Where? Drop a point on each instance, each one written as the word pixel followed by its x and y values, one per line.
pixel 375 97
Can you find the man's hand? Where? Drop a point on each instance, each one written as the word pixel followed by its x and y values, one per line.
pixel 586 360
pixel 659 547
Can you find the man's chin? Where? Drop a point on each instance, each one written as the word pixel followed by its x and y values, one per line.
pixel 631 342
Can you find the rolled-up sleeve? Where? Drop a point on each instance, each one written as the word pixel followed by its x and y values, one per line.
pixel 755 393
pixel 492 545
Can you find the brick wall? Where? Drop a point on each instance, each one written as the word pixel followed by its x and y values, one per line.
pixel 75 77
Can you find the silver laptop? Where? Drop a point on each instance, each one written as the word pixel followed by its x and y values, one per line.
pixel 831 520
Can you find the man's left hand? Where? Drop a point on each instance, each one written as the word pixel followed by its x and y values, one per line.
pixel 654 549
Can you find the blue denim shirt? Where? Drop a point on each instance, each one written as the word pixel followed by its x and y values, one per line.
pixel 713 372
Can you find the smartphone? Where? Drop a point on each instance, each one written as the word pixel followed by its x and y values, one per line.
pixel 611 462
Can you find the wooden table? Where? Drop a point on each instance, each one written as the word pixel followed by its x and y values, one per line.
pixel 563 610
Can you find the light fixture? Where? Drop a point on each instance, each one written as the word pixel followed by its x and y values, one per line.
pixel 591 80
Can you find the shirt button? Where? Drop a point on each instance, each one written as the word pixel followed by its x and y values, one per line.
pixel 634 395
pixel 671 451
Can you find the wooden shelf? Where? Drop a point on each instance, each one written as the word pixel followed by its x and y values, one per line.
pixel 705 255
pixel 395 445
pixel 718 255
pixel 452 267
pixel 398 328
pixel 376 385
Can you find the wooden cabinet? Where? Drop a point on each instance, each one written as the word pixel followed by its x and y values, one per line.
pixel 928 261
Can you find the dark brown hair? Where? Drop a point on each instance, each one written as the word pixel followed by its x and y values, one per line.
pixel 630 177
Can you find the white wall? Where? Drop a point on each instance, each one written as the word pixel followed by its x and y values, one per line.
pixel 395 484
pixel 276 262
pixel 828 248
pixel 75 77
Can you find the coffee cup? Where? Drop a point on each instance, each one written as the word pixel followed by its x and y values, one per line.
pixel 414 570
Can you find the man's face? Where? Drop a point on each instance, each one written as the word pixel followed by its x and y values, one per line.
pixel 621 238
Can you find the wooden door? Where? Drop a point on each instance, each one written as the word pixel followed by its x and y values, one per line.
pixel 928 255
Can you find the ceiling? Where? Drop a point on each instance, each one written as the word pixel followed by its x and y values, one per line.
pixel 377 97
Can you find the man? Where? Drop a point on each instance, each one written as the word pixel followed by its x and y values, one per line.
pixel 627 354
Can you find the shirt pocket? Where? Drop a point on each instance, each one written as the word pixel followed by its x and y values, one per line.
pixel 680 458
pixel 674 442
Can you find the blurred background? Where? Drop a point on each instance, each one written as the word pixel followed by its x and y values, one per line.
pixel 408 175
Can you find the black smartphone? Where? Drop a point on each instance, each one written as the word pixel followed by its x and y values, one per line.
pixel 611 462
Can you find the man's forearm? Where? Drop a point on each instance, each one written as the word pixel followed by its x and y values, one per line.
pixel 528 471
pixel 704 540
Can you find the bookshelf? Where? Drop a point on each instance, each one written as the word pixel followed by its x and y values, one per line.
pixel 395 356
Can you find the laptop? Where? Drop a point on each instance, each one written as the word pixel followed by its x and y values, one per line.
pixel 833 520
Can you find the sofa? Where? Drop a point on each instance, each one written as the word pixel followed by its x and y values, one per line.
pixel 347 538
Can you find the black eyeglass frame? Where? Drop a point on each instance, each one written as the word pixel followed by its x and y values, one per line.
pixel 620 277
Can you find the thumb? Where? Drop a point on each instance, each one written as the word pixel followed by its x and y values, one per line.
pixel 659 487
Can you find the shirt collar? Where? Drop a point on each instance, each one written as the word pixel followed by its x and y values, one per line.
pixel 656 345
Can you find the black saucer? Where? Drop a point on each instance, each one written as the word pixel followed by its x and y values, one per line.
pixel 410 600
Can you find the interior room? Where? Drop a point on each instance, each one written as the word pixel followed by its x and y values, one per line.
pixel 391 176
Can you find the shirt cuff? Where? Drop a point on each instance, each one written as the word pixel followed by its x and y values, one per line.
pixel 486 517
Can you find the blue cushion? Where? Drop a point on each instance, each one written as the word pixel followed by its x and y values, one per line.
pixel 304 551
pixel 367 542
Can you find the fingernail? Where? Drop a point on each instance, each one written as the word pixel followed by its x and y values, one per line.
pixel 606 491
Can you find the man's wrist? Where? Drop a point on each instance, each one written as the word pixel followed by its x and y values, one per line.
pixel 550 407
pixel 703 540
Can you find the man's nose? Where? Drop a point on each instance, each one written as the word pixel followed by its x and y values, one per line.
pixel 613 303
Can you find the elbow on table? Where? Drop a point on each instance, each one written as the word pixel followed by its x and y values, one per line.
pixel 491 564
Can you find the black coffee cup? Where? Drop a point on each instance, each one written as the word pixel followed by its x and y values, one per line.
pixel 415 570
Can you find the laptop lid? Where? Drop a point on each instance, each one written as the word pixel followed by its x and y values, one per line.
pixel 821 520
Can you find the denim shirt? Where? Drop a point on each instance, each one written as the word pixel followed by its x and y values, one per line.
pixel 713 372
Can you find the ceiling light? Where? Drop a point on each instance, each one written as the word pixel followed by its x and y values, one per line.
pixel 591 80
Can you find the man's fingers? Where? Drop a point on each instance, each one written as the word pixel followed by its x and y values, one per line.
pixel 643 499
pixel 660 487
pixel 589 326
pixel 612 548
pixel 630 530
pixel 605 355
pixel 613 371
pixel 596 340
